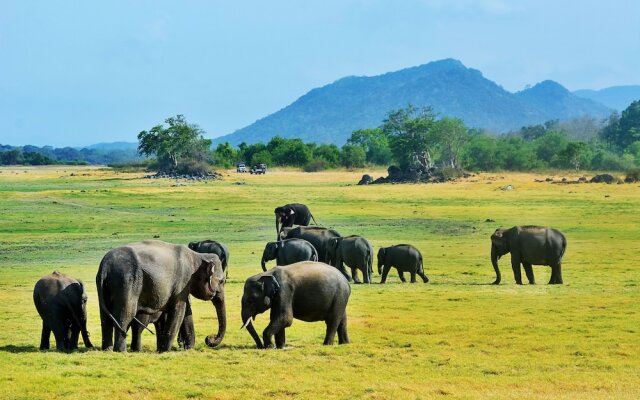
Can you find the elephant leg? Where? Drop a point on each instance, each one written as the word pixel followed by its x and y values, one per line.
pixel 517 274
pixel 136 336
pixel 271 329
pixel 528 269
pixel 187 335
pixel 424 277
pixel 332 328
pixel 107 328
pixel 413 276
pixel 280 339
pixel 175 316
pixel 343 336
pixel 556 274
pixel 366 276
pixel 385 272
pixel 354 275
pixel 60 334
pixel 44 337
pixel 123 314
pixel 401 275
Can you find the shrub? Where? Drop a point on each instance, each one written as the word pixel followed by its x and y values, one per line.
pixel 192 167
pixel 316 165
pixel 633 175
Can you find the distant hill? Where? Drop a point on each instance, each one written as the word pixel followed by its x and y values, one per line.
pixel 615 97
pixel 329 114
pixel 114 146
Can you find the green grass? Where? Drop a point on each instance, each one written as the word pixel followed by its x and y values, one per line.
pixel 456 337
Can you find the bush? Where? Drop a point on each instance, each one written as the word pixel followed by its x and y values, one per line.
pixel 316 165
pixel 192 167
pixel 449 173
pixel 633 175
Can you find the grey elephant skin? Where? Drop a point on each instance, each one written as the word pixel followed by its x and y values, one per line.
pixel 61 302
pixel 403 257
pixel 316 235
pixel 529 245
pixel 213 247
pixel 354 251
pixel 309 291
pixel 151 277
pixel 292 214
pixel 288 251
pixel 186 334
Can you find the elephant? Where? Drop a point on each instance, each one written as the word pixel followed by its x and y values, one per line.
pixel 405 258
pixel 290 214
pixel 356 252
pixel 153 276
pixel 529 245
pixel 315 235
pixel 308 290
pixel 213 247
pixel 61 302
pixel 288 251
pixel 186 334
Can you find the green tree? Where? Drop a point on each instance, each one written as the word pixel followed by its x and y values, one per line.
pixel 353 156
pixel 225 155
pixel 328 152
pixel 179 142
pixel 451 135
pixel 261 157
pixel 409 134
pixel 575 155
pixel 629 128
pixel 375 144
pixel 481 154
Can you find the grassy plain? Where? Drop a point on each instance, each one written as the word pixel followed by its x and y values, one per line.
pixel 456 337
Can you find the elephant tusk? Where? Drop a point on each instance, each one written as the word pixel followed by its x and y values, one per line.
pixel 246 323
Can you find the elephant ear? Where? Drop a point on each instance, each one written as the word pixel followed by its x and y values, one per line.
pixel 270 285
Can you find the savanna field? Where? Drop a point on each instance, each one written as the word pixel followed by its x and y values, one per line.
pixel 455 337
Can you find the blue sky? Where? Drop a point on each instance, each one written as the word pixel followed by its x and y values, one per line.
pixel 80 72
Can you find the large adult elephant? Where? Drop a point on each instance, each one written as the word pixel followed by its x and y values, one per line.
pixel 529 245
pixel 292 214
pixel 309 291
pixel 316 235
pixel 354 251
pixel 152 276
pixel 288 251
pixel 213 247
pixel 405 258
pixel 61 302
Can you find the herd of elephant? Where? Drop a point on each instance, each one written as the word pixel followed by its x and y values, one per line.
pixel 151 281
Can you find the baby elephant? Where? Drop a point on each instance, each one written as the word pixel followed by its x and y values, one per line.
pixel 354 251
pixel 213 247
pixel 309 291
pixel 405 258
pixel 61 302
pixel 288 251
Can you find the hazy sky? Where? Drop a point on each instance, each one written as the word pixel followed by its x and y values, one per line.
pixel 83 72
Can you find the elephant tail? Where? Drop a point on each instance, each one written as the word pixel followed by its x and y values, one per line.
pixel 103 295
pixel 564 246
pixel 314 254
pixel 314 220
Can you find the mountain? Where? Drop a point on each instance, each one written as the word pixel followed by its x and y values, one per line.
pixel 330 113
pixel 615 97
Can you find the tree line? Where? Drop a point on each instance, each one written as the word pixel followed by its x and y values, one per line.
pixel 413 135
pixel 407 137
pixel 47 155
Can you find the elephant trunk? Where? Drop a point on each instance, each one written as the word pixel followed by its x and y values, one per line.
pixel 494 262
pixel 246 318
pixel 263 264
pixel 85 336
pixel 219 304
